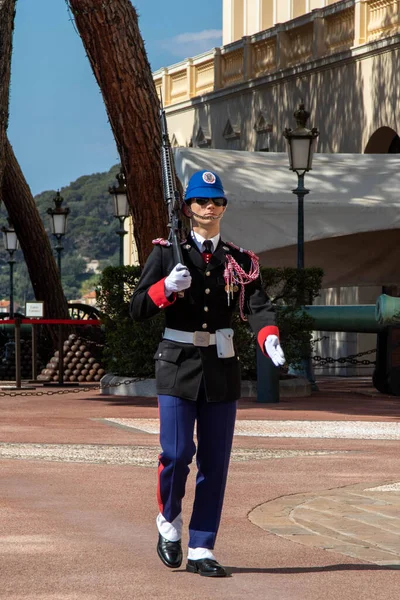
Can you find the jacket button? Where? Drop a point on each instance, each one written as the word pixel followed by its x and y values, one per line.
pixel 204 326
pixel 206 308
pixel 207 291
pixel 208 273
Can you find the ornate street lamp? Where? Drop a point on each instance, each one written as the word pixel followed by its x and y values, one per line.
pixel 121 210
pixel 58 224
pixel 11 245
pixel 301 143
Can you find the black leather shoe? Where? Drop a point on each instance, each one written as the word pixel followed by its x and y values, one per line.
pixel 206 567
pixel 169 552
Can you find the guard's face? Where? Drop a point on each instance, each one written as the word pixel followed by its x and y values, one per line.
pixel 206 210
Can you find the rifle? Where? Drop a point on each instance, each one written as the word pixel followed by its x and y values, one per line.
pixel 171 194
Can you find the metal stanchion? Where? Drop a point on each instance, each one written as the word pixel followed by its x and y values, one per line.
pixel 17 337
pixel 60 355
pixel 18 379
pixel 34 353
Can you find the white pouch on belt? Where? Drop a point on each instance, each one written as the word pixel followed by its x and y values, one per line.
pixel 224 339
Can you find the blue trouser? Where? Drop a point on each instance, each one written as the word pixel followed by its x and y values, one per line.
pixel 215 425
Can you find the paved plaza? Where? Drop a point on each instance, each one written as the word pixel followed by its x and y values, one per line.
pixel 312 505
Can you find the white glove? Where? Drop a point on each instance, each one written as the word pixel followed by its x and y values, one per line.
pixel 274 350
pixel 178 280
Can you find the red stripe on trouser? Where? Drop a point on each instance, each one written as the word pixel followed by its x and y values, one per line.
pixel 159 499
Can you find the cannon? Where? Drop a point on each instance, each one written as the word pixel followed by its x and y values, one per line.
pixel 351 318
pixel 382 318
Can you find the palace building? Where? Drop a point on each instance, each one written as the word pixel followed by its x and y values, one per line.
pixel 341 57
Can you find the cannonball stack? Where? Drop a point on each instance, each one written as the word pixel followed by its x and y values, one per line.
pixel 7 362
pixel 79 364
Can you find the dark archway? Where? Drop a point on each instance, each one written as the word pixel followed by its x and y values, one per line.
pixel 384 141
pixel 394 147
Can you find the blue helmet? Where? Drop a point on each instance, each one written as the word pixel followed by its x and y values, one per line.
pixel 204 184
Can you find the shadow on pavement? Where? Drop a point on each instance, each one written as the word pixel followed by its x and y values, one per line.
pixel 294 570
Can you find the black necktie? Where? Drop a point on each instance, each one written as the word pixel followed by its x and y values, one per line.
pixel 207 246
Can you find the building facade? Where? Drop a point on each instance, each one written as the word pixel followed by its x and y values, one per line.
pixel 342 58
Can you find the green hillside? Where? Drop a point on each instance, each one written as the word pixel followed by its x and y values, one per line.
pixel 91 235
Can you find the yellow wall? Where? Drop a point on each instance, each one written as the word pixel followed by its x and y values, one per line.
pixel 298 8
pixel 247 17
pixel 267 14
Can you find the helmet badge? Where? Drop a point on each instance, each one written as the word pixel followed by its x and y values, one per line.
pixel 209 177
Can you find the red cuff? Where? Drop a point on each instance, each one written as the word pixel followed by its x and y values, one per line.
pixel 157 294
pixel 264 333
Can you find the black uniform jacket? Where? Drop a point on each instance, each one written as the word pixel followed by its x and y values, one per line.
pixel 180 367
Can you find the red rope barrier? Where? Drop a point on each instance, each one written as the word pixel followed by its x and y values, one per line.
pixel 52 322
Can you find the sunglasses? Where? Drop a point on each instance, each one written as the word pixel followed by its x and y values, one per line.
pixel 215 201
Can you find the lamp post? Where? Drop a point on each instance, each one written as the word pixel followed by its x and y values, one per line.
pixel 58 225
pixel 121 210
pixel 301 144
pixel 11 245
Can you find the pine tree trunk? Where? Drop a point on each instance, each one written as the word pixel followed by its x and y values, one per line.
pixel 7 11
pixel 111 37
pixel 33 239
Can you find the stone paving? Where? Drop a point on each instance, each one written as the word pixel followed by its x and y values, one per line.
pixel 358 521
pixel 312 509
pixel 391 487
pixel 361 430
pixel 141 456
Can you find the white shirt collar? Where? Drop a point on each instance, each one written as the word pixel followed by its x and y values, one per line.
pixel 199 239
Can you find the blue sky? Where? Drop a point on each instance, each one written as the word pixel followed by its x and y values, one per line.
pixel 58 124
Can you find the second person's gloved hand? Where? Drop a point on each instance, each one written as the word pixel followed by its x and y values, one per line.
pixel 178 280
pixel 274 350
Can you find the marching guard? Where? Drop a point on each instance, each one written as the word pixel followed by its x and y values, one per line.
pixel 197 368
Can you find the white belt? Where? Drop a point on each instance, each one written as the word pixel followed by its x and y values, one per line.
pixel 197 338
